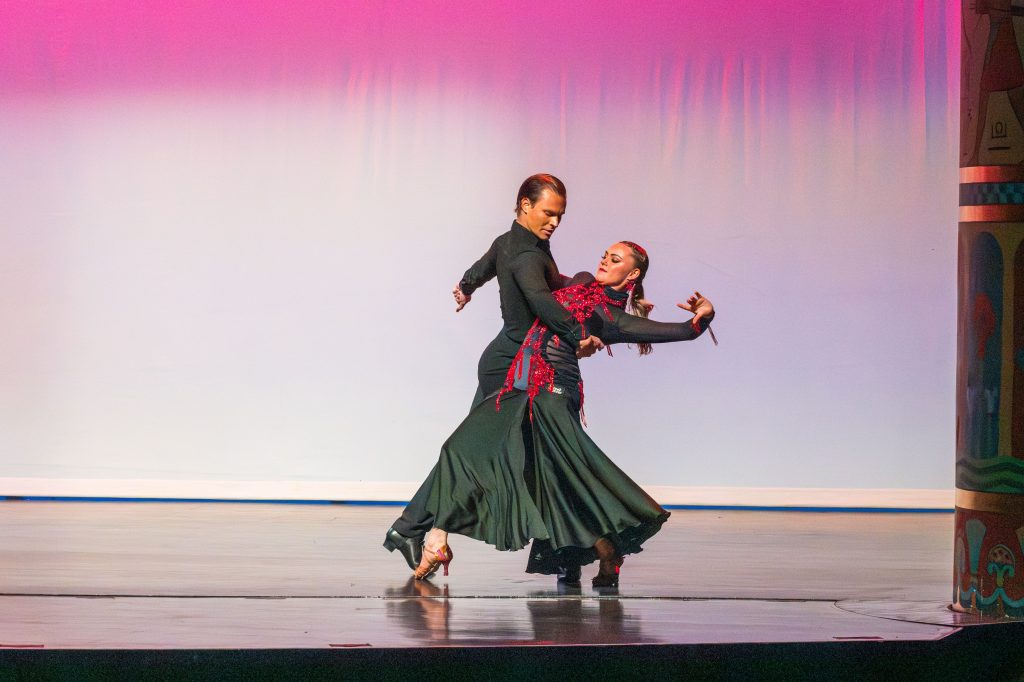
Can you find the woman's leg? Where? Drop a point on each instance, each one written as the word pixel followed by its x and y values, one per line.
pixel 436 539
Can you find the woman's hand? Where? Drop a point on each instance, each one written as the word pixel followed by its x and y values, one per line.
pixel 699 306
pixel 461 299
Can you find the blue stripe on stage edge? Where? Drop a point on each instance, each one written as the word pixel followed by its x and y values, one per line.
pixel 402 503
pixel 850 510
pixel 46 498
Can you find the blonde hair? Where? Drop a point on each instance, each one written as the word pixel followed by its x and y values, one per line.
pixel 636 293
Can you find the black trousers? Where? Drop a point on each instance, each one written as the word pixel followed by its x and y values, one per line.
pixel 491 371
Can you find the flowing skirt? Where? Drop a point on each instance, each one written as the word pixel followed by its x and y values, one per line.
pixel 506 480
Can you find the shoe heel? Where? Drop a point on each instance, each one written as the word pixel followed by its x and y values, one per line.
pixel 447 555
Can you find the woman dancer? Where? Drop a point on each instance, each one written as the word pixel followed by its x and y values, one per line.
pixel 520 466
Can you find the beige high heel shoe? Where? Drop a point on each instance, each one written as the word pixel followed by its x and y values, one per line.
pixel 431 560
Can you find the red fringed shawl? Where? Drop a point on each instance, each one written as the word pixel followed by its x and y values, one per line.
pixel 580 300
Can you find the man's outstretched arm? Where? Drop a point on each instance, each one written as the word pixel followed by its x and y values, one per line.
pixel 479 273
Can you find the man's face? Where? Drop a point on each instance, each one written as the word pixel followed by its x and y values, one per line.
pixel 542 217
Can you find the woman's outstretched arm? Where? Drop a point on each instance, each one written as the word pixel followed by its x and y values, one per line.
pixel 626 328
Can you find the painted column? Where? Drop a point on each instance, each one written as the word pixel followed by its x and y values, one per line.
pixel 989 541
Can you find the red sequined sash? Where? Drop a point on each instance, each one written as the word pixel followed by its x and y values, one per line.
pixel 580 300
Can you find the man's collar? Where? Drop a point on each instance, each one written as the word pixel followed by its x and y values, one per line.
pixel 523 236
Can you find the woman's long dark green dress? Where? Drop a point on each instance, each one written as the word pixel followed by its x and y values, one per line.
pixel 520 467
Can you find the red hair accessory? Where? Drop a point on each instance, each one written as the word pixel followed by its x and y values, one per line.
pixel 636 247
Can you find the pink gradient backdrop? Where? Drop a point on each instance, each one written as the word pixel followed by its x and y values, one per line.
pixel 198 200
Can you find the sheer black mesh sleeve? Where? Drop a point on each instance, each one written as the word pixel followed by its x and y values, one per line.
pixel 626 328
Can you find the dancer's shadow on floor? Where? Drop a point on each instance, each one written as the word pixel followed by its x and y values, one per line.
pixel 425 611
pixel 584 620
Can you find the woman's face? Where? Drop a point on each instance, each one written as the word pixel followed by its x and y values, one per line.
pixel 617 267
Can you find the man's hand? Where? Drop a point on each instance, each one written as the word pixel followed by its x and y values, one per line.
pixel 461 299
pixel 589 346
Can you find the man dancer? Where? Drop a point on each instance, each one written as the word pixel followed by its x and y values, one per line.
pixel 521 260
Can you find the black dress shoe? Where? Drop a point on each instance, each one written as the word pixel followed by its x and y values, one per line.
pixel 410 548
pixel 570 575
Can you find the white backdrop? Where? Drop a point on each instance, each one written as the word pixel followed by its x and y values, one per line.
pixel 243 272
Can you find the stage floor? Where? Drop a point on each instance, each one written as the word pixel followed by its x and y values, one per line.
pixel 193 576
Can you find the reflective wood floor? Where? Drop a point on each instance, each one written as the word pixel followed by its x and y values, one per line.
pixel 184 575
